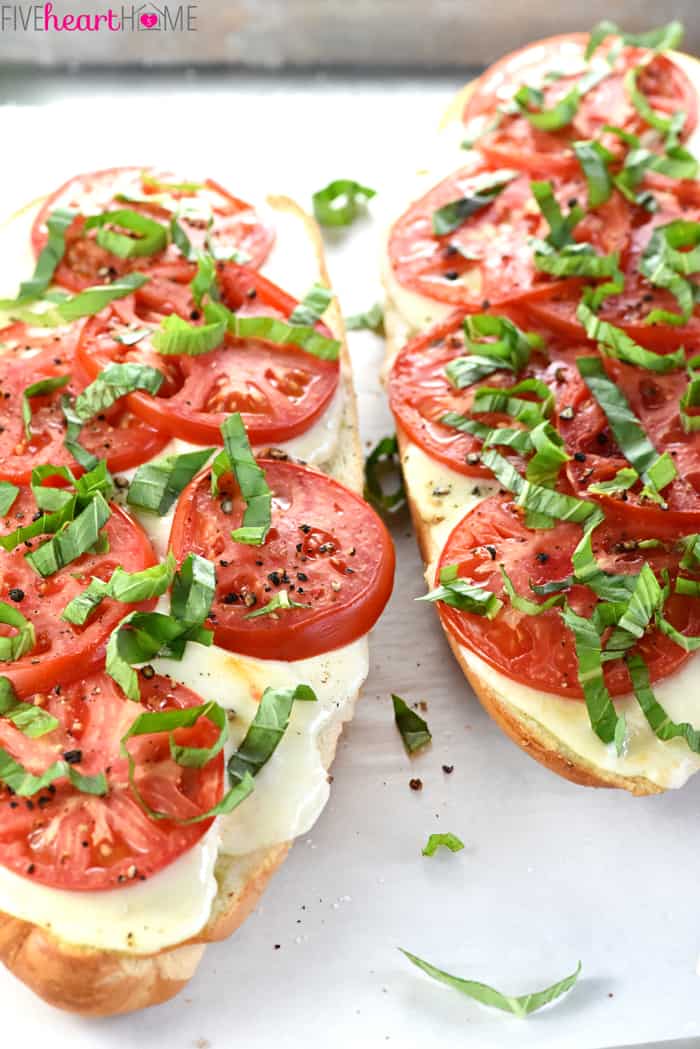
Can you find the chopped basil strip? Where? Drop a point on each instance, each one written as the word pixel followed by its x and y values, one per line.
pixel 204 281
pixel 523 604
pixel 48 497
pixel 73 540
pixel 495 343
pixel 663 38
pixel 131 336
pixel 113 382
pixel 339 203
pixel 595 160
pixel 239 459
pixel 521 1006
pixel 39 389
pixel 170 187
pixel 30 720
pixel 274 329
pixel 615 343
pixel 94 299
pixel 450 216
pixel 534 497
pixel 549 457
pixel 656 471
pixel 665 266
pixel 57 223
pixel 127 587
pixel 371 320
pixel 623 480
pixel 145 236
pixel 383 459
pixel 645 600
pixel 691 398
pixel 659 721
pixel 16 646
pixel 142 636
pixel 463 594
pixel 266 730
pixel 670 126
pixel 25 783
pixel 561 226
pixel 413 729
pixel 279 603
pixel 176 336
pixel 193 590
pixel 189 757
pixel 8 494
pixel 181 241
pixel 446 841
pixel 156 485
pixel 601 710
pixel 688 644
pixel 314 305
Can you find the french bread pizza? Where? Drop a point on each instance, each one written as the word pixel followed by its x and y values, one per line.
pixel 542 368
pixel 188 573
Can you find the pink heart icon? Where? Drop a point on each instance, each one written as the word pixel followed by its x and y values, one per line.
pixel 148 21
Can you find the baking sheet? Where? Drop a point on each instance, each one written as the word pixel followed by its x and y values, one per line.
pixel 551 872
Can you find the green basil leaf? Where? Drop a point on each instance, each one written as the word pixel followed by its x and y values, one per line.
pixel 550 455
pixel 595 162
pixel 139 637
pixel 601 710
pixel 16 646
pixel 371 320
pixel 113 382
pixel 30 720
pixel 94 299
pixel 274 329
pixel 661 724
pixel 383 459
pixel 57 223
pixel 615 343
pixel 523 604
pixel 464 595
pixel 534 497
pixel 657 471
pixel 313 306
pixel 238 457
pixel 561 226
pixel 25 783
pixel 530 103
pixel 170 187
pixel 451 216
pixel 645 601
pixel 281 602
pixel 156 485
pixel 665 266
pixel 521 1006
pixel 193 590
pixel 74 539
pixel 663 38
pixel 204 281
pixel 127 587
pixel 670 126
pixel 8 494
pixel 413 729
pixel 39 389
pixel 71 441
pixel 445 841
pixel 623 480
pixel 495 343
pixel 176 336
pixel 146 236
pixel 266 730
pixel 339 203
pixel 181 241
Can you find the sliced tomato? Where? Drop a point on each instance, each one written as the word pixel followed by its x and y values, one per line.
pixel 555 66
pixel 115 435
pixel 72 840
pixel 326 548
pixel 420 393
pixel 539 650
pixel 279 390
pixel 207 212
pixel 489 258
pixel 630 310
pixel 654 399
pixel 64 652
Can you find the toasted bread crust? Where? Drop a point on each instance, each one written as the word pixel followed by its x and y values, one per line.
pixel 95 982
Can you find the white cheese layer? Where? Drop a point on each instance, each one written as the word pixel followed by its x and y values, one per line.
pixel 441 496
pixel 290 793
pixel 667 764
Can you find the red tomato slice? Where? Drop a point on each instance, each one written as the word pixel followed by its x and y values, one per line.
pixel 279 390
pixel 64 652
pixel 420 392
pixel 516 142
pixel 235 226
pixel 114 435
pixel 539 650
pixel 109 841
pixel 655 401
pixel 498 266
pixel 326 548
pixel 557 308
